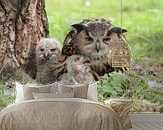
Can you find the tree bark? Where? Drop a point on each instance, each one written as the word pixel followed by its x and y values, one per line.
pixel 22 24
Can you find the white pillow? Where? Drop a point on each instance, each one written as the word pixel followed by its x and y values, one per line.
pixel 92 92
pixel 19 92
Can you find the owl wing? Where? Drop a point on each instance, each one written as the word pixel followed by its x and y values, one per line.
pixel 59 68
pixel 68 45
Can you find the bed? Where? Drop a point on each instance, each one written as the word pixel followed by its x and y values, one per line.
pixel 59 114
pixel 60 106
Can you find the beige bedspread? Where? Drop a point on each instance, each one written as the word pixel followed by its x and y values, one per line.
pixel 59 114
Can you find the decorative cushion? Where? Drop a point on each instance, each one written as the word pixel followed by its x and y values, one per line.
pixel 49 95
pixel 28 90
pixel 79 90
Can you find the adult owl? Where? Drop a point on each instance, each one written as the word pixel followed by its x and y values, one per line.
pixel 47 53
pixel 103 43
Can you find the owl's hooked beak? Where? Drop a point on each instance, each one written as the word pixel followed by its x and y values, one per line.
pixel 46 55
pixel 97 47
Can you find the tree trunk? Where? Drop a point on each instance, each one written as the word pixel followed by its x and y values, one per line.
pixel 22 24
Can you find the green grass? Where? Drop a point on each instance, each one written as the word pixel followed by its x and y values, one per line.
pixel 5 100
pixel 129 85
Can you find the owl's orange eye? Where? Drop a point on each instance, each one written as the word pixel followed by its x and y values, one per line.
pixel 42 50
pixel 52 50
pixel 107 39
pixel 88 39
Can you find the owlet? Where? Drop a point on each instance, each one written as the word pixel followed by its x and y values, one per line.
pixel 77 70
pixel 47 53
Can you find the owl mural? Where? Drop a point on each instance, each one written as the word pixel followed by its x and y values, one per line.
pixel 104 44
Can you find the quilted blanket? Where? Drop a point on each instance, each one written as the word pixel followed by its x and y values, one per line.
pixel 59 114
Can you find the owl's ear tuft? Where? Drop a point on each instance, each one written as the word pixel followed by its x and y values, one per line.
pixel 79 27
pixel 124 30
pixel 118 30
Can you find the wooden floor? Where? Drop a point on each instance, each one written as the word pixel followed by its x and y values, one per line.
pixel 146 121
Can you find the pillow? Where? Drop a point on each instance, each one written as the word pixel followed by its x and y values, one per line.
pixel 49 95
pixel 24 92
pixel 19 92
pixel 92 92
pixel 28 90
pixel 79 90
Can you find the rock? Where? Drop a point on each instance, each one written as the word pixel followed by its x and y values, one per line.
pixel 155 84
